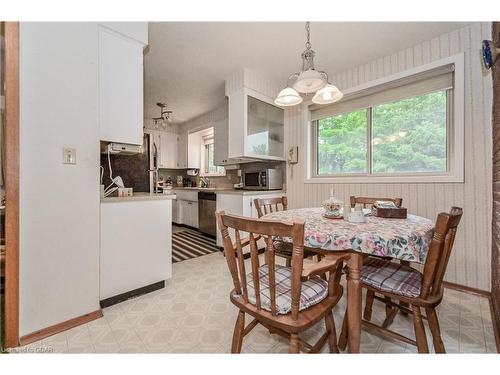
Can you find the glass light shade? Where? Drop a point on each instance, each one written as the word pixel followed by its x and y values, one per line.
pixel 309 81
pixel 328 94
pixel 288 97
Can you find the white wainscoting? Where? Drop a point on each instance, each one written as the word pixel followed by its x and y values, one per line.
pixel 470 262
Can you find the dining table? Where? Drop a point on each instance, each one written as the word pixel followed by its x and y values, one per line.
pixel 404 239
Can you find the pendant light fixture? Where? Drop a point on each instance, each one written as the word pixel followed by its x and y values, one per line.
pixel 308 81
pixel 165 116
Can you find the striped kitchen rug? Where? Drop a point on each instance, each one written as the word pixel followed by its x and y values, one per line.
pixel 189 244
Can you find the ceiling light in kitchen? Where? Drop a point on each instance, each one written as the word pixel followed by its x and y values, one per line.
pixel 308 81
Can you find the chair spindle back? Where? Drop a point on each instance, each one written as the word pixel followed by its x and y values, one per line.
pixel 256 229
pixel 440 251
pixel 369 201
pixel 265 206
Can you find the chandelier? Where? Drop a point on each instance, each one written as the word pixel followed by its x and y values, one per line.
pixel 308 81
pixel 165 116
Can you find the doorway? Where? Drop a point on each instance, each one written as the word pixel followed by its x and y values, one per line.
pixel 9 182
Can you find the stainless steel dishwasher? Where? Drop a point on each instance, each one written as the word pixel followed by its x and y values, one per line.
pixel 206 213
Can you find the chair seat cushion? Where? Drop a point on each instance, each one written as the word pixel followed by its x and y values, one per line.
pixel 313 290
pixel 283 248
pixel 391 277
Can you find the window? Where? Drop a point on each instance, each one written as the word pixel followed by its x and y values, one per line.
pixel 209 169
pixel 341 141
pixel 402 129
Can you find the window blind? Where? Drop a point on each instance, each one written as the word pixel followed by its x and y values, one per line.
pixel 434 80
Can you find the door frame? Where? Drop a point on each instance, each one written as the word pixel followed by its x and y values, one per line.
pixel 11 142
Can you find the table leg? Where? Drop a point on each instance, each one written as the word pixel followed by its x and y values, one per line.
pixel 354 302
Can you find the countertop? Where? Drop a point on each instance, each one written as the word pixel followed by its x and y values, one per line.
pixel 139 197
pixel 229 191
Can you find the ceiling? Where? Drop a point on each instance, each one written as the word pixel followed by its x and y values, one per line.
pixel 186 62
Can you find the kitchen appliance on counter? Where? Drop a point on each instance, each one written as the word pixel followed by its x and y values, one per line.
pixel 206 213
pixel 267 179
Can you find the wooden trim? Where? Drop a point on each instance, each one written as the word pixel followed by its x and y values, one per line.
pixel 60 327
pixel 467 289
pixel 11 144
pixel 496 328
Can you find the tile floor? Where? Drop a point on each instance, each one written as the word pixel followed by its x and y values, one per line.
pixel 193 315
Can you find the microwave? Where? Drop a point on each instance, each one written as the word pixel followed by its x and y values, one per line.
pixel 267 179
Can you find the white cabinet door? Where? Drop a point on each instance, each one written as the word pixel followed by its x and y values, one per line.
pixel 256 126
pixel 182 150
pixel 174 211
pixel 189 213
pixel 221 142
pixel 126 227
pixel 168 153
pixel 194 151
pixel 120 88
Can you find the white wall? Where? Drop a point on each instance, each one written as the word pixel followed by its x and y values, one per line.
pixel 470 261
pixel 59 229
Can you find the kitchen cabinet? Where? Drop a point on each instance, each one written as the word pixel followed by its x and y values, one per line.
pixel 175 215
pixel 221 141
pixel 189 213
pixel 168 150
pixel 256 126
pixel 240 204
pixel 187 207
pixel 127 226
pixel 120 87
pixel 194 150
pixel 182 150
pixel 166 147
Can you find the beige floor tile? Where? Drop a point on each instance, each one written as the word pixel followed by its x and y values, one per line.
pixel 193 314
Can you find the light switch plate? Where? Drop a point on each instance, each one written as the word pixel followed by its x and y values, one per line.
pixel 69 155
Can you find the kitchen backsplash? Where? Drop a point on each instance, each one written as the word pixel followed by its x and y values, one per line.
pixel 226 181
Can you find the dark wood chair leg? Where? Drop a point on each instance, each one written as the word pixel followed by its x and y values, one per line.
pixel 370 295
pixel 294 343
pixel 343 334
pixel 404 304
pixel 419 330
pixel 435 330
pixel 332 333
pixel 390 313
pixel 239 327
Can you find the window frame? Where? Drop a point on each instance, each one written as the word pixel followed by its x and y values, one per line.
pixel 204 162
pixel 454 141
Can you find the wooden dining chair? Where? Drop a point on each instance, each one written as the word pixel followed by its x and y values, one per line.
pixel 420 290
pixel 282 249
pixel 285 300
pixel 370 201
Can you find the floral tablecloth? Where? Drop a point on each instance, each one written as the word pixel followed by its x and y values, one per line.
pixel 406 239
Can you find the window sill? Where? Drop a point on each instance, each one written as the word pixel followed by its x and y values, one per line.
pixel 395 179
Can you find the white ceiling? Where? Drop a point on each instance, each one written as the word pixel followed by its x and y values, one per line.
pixel 186 62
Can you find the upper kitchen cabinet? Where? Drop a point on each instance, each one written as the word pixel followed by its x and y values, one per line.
pixel 256 126
pixel 221 142
pixel 182 154
pixel 121 84
pixel 194 150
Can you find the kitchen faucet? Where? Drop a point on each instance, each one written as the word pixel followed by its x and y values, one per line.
pixel 204 182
